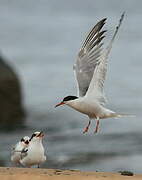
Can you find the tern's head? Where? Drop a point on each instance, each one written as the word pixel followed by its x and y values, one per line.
pixel 37 135
pixel 66 100
pixel 25 141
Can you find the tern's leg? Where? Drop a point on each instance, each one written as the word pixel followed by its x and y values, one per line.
pixel 87 127
pixel 97 125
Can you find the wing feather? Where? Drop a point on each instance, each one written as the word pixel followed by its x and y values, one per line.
pixel 93 32
pixel 88 57
pixel 97 83
pixel 24 153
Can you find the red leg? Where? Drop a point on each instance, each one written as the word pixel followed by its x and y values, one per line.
pixel 87 127
pixel 97 126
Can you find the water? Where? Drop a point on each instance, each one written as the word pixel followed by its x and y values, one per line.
pixel 41 39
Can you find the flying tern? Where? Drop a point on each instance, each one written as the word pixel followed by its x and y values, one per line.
pixel 90 70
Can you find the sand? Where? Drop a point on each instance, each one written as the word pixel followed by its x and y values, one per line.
pixel 54 174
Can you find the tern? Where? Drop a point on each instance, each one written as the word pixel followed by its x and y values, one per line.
pixel 18 148
pixel 34 154
pixel 90 70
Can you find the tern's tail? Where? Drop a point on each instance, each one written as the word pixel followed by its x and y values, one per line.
pixel 111 114
pixel 115 115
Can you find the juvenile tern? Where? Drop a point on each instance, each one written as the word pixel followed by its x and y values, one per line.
pixel 18 148
pixel 90 69
pixel 34 154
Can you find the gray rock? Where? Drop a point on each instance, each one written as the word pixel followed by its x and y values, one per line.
pixel 11 109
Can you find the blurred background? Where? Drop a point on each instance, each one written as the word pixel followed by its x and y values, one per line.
pixel 39 42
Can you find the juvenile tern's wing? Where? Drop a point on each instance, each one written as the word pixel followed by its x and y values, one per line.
pixel 97 83
pixel 88 57
pixel 24 153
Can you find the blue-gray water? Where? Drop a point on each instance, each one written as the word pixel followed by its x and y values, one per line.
pixel 41 39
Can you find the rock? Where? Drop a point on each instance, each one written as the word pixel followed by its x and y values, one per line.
pixel 126 173
pixel 11 108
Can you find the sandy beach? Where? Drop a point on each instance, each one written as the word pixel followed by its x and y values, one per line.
pixel 7 173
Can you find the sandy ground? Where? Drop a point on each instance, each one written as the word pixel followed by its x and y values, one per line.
pixel 54 174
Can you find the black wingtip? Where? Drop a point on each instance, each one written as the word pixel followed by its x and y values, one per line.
pixel 122 17
pixel 123 13
pixel 103 20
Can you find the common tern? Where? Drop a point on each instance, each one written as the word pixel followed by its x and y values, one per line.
pixel 18 148
pixel 34 154
pixel 90 70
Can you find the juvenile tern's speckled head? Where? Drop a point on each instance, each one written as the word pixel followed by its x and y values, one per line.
pixel 25 141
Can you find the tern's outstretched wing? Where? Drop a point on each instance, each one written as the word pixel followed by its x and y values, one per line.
pixel 89 57
pixel 97 83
